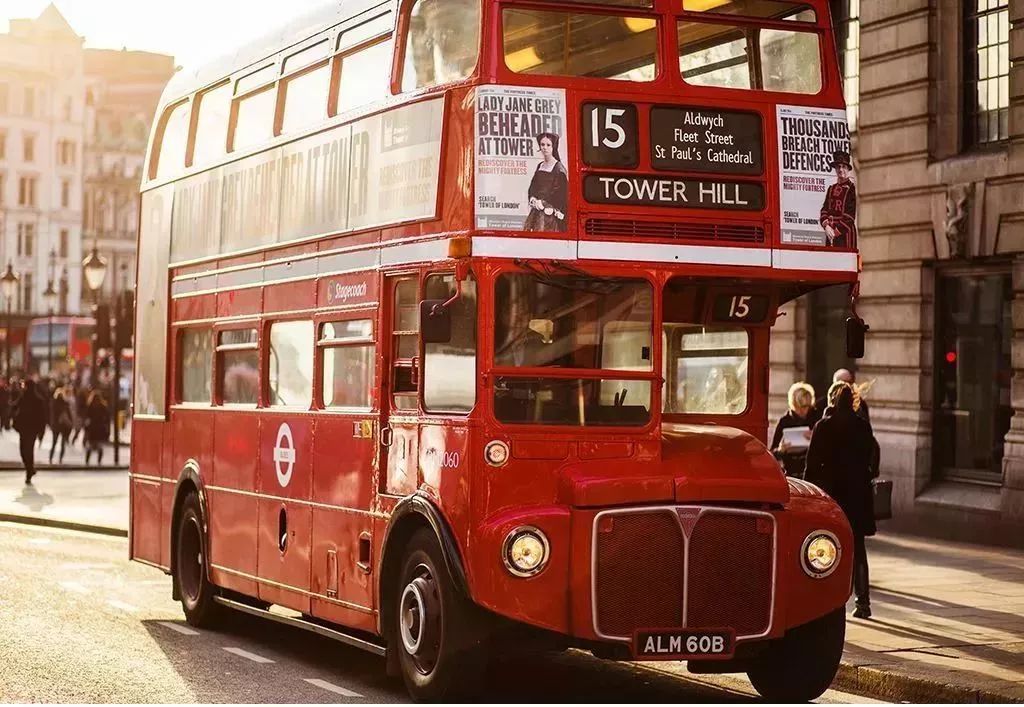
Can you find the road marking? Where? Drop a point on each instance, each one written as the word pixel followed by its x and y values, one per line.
pixel 79 566
pixel 74 587
pixel 122 606
pixel 249 656
pixel 40 541
pixel 331 687
pixel 183 630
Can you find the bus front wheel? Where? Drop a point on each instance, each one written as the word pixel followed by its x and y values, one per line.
pixel 190 570
pixel 435 628
pixel 800 666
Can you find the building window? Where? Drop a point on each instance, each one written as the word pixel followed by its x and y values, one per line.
pixel 69 108
pixel 986 72
pixel 973 342
pixel 3 143
pixel 26 239
pixel 65 237
pixel 847 23
pixel 5 100
pixel 26 292
pixel 29 148
pixel 30 102
pixel 65 193
pixel 66 152
pixel 3 188
pixel 27 191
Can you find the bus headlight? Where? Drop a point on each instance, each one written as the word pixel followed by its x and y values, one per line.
pixel 526 551
pixel 820 554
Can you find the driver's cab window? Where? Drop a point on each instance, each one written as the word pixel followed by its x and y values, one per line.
pixel 706 369
pixel 442 42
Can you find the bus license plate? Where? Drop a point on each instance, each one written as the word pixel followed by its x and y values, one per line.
pixel 704 644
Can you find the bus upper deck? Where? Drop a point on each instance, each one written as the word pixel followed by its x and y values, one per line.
pixel 688 132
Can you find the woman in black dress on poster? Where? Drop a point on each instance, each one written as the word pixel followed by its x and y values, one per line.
pixel 549 190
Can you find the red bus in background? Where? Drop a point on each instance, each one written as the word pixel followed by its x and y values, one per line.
pixel 59 345
pixel 453 331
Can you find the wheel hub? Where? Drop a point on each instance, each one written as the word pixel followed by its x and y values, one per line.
pixel 419 613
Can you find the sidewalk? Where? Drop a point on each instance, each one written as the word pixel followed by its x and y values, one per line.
pixel 74 454
pixel 96 501
pixel 948 622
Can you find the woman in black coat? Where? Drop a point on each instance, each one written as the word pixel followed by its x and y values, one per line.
pixel 97 426
pixel 29 421
pixel 801 413
pixel 839 461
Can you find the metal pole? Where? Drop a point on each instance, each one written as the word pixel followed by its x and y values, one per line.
pixel 7 342
pixel 117 376
pixel 49 345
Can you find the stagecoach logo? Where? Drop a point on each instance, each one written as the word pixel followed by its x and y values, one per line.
pixel 337 292
pixel 284 454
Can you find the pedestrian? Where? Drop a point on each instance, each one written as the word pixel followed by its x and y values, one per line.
pixel 844 375
pixel 80 404
pixel 61 420
pixel 97 426
pixel 45 388
pixel 791 448
pixel 5 405
pixel 839 461
pixel 29 418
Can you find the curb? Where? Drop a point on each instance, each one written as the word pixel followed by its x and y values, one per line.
pixel 895 687
pixel 64 524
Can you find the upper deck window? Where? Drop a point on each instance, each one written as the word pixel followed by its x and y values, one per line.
pixel 171 140
pixel 212 110
pixel 562 43
pixel 442 42
pixel 766 9
pixel 253 118
pixel 719 55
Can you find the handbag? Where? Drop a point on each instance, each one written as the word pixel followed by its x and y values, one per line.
pixel 881 494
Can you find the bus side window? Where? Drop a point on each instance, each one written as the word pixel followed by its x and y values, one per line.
pixel 305 89
pixel 210 120
pixel 195 366
pixel 349 354
pixel 449 370
pixel 253 111
pixel 238 367
pixel 405 344
pixel 364 76
pixel 171 139
pixel 442 42
pixel 290 365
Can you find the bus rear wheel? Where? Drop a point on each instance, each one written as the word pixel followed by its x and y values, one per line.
pixel 435 627
pixel 800 666
pixel 191 568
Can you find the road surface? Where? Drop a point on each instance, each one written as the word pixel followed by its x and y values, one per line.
pixel 82 624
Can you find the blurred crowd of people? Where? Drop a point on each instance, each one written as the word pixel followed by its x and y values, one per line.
pixel 70 410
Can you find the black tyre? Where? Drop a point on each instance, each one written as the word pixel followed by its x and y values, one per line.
pixel 437 631
pixel 801 665
pixel 191 569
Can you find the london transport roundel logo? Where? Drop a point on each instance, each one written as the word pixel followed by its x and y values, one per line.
pixel 284 454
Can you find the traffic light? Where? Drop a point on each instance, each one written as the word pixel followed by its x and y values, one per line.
pixel 102 338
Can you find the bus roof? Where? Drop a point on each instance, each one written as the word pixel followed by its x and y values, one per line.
pixel 301 28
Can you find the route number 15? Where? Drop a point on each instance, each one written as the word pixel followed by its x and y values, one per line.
pixel 610 135
pixel 740 308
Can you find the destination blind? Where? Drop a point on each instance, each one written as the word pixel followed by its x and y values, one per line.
pixel 686 139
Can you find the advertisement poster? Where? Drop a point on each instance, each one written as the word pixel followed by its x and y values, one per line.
pixel 818 189
pixel 522 183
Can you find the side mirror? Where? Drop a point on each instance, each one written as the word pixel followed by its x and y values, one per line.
pixel 435 322
pixel 856 330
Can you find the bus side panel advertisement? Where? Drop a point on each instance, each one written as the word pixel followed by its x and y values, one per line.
pixel 522 183
pixel 818 193
pixel 378 171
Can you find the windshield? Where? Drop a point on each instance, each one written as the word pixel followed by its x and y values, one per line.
pixel 588 333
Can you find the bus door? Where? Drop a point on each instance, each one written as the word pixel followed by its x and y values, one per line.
pixel 400 406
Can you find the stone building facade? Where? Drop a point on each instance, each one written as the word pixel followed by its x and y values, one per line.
pixel 936 89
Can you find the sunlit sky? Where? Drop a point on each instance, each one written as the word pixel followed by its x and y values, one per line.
pixel 192 30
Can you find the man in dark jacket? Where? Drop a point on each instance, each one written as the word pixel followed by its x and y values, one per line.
pixel 839 461
pixel 29 421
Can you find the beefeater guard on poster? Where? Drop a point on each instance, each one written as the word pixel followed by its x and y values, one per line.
pixel 839 212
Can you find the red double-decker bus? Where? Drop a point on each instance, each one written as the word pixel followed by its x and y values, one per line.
pixel 453 332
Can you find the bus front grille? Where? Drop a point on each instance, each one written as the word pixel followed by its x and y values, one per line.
pixel 683 567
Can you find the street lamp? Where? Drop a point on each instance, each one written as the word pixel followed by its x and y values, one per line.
pixel 50 297
pixel 8 288
pixel 95 270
